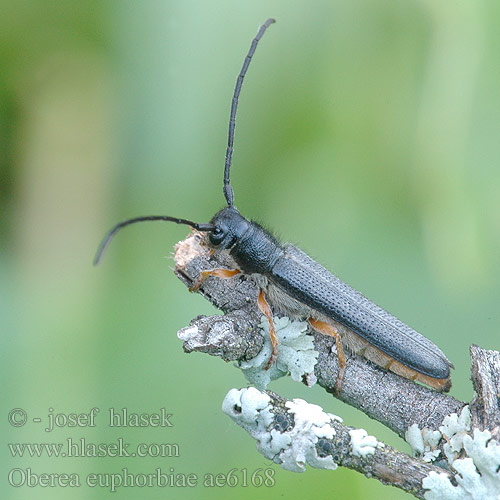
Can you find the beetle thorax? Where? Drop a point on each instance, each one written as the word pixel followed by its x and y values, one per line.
pixel 254 249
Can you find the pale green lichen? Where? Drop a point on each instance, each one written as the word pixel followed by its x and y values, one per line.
pixel 477 474
pixel 423 442
pixel 296 354
pixel 362 444
pixel 293 448
pixel 454 429
pixel 414 438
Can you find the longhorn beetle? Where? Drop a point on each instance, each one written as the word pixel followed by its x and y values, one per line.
pixel 289 280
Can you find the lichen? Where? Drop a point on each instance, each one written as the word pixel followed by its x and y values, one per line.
pixel 454 429
pixel 292 448
pixel 424 442
pixel 296 354
pixel 477 475
pixel 362 444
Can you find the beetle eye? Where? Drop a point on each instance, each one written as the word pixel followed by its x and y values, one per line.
pixel 216 236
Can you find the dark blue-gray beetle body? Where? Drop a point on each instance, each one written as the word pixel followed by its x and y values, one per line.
pixel 256 251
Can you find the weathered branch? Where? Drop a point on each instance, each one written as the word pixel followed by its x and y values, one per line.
pixel 392 400
pixel 485 406
pixel 296 423
pixel 418 413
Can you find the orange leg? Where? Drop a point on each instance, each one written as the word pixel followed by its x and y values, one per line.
pixel 266 310
pixel 327 329
pixel 218 273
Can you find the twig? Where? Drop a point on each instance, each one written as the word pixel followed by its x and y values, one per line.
pixel 392 400
pixel 269 418
pixel 485 406
pixel 420 414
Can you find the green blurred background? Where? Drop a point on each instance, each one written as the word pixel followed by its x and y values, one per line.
pixel 368 134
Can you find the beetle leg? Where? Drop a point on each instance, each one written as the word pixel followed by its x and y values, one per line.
pixel 218 273
pixel 327 329
pixel 266 310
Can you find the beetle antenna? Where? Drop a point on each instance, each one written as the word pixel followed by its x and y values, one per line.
pixel 228 191
pixel 107 239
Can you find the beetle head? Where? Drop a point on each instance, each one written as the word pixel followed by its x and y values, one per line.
pixel 230 226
